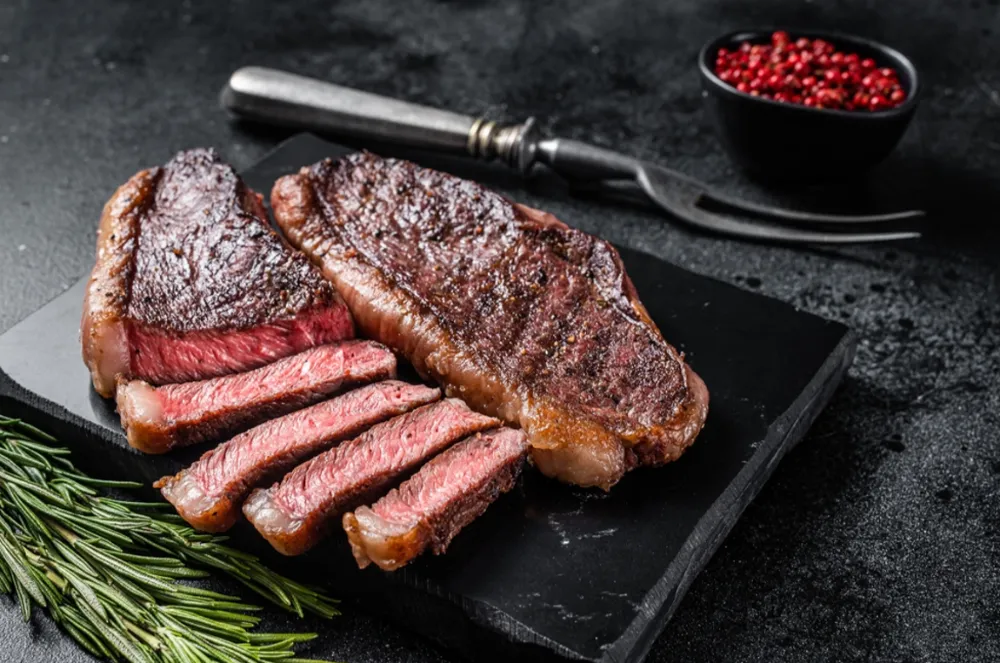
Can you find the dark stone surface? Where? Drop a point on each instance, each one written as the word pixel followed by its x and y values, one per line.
pixel 876 538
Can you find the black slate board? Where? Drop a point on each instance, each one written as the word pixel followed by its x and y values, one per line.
pixel 549 571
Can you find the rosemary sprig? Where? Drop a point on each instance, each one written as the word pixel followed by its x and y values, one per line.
pixel 111 572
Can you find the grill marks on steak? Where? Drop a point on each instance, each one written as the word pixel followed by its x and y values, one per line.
pixel 191 282
pixel 436 503
pixel 208 495
pixel 158 419
pixel 520 315
pixel 294 514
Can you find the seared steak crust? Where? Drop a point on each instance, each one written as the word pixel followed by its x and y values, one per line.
pixel 187 265
pixel 513 311
pixel 207 225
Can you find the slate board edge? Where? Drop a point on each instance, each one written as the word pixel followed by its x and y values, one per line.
pixel 781 437
pixel 56 420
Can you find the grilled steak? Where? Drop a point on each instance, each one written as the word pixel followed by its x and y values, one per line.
pixel 209 493
pixel 158 419
pixel 191 282
pixel 518 314
pixel 444 496
pixel 294 514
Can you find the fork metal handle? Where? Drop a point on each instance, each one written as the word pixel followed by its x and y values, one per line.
pixel 279 97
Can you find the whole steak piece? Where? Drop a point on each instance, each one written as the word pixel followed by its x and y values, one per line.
pixel 191 282
pixel 511 310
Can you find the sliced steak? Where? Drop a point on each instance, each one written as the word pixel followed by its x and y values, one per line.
pixel 191 282
pixel 209 494
pixel 432 506
pixel 294 514
pixel 513 311
pixel 158 419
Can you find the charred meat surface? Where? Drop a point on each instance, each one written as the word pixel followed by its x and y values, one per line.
pixel 191 282
pixel 513 311
pixel 209 494
pixel 294 515
pixel 437 502
pixel 158 419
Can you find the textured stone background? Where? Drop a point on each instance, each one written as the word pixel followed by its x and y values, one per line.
pixel 877 538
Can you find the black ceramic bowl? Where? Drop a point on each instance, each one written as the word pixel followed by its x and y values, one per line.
pixel 791 142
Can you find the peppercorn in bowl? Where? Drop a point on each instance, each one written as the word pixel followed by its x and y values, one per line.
pixel 806 106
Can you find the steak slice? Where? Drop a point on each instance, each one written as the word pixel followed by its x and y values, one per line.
pixel 192 282
pixel 158 419
pixel 293 515
pixel 521 316
pixel 444 496
pixel 208 495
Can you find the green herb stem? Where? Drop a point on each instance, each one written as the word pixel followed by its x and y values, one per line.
pixel 113 573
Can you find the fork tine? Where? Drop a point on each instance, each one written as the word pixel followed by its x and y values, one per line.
pixel 686 188
pixel 689 212
pixel 766 232
pixel 794 216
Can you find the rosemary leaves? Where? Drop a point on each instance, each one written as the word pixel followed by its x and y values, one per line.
pixel 111 571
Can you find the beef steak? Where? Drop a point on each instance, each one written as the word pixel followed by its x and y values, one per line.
pixel 158 419
pixel 437 502
pixel 191 282
pixel 209 494
pixel 513 311
pixel 294 514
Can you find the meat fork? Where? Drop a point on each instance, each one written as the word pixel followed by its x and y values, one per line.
pixel 279 97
